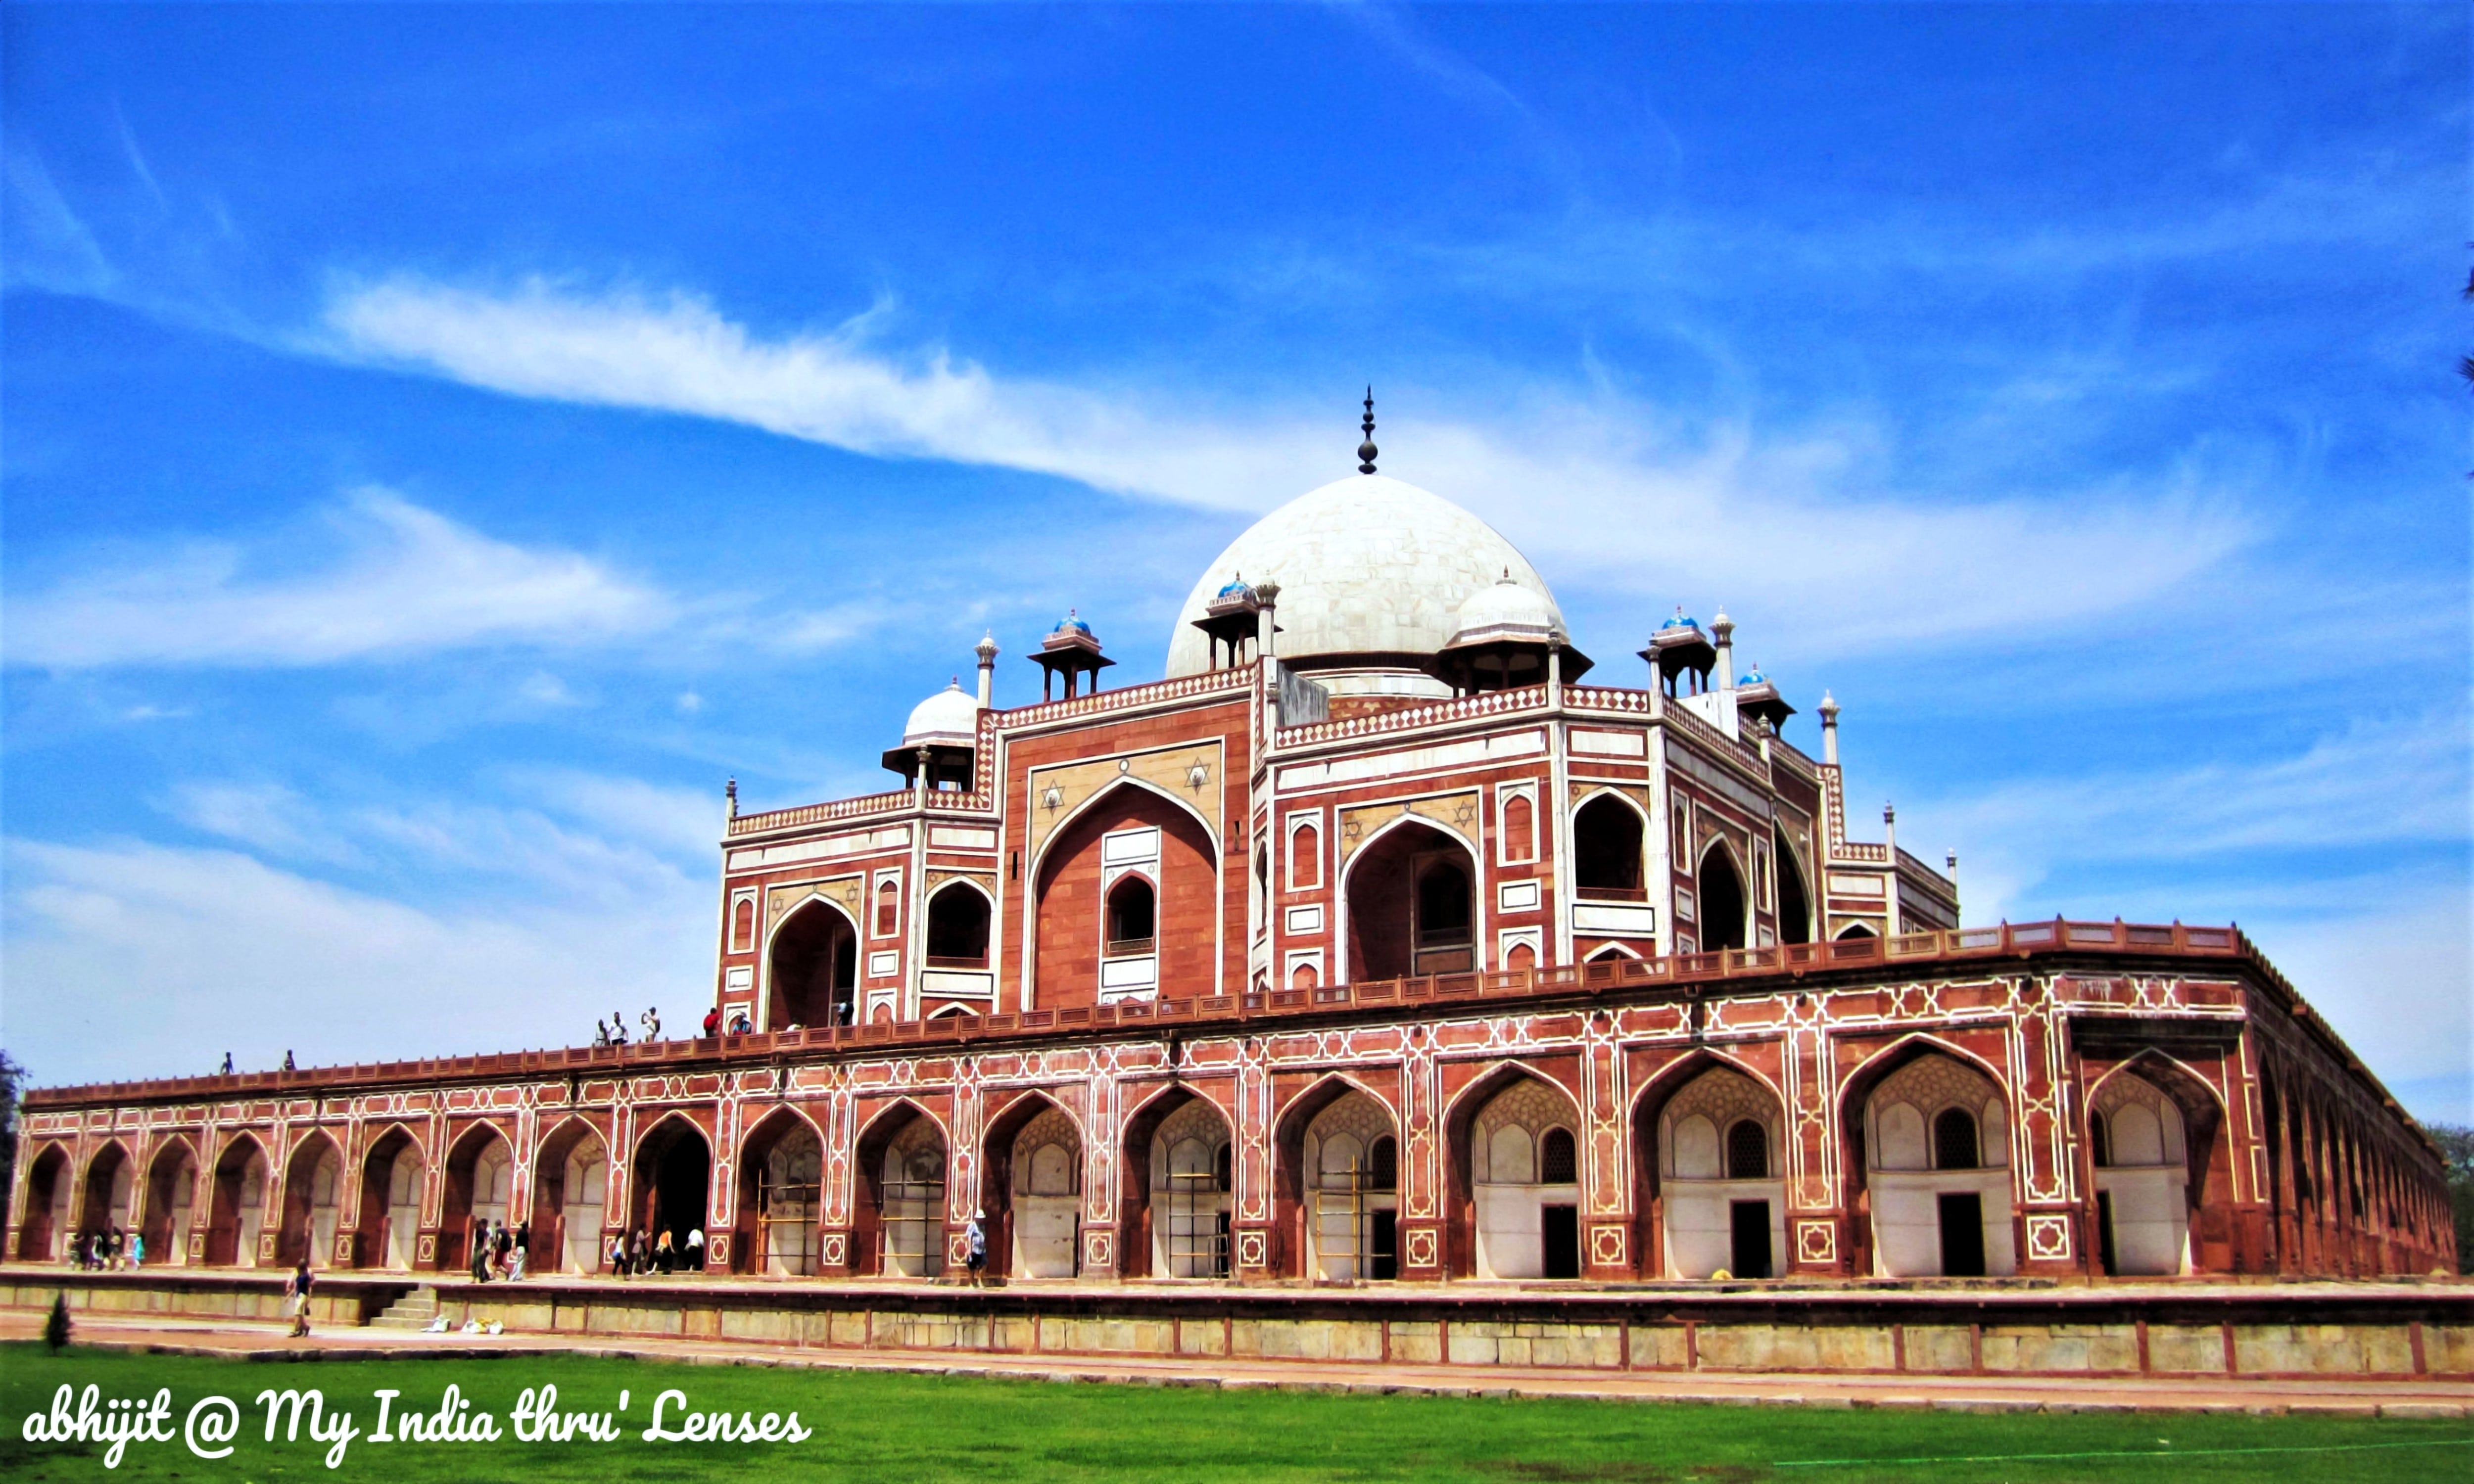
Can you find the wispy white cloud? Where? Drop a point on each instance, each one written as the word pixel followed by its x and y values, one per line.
pixel 137 959
pixel 2388 781
pixel 675 353
pixel 1616 492
pixel 129 956
pixel 47 245
pixel 679 822
pixel 268 817
pixel 409 580
pixel 2392 976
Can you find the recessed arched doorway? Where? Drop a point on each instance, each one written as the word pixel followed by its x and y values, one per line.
pixel 781 1188
pixel 313 1181
pixel 1794 899
pixel 1412 897
pixel 1720 906
pixel 674 1170
pixel 1337 1173
pixel 899 1231
pixel 1031 1185
pixel 111 1181
pixel 812 974
pixel 171 1197
pixel 570 1194
pixel 239 1212
pixel 1515 1169
pixel 46 1223
pixel 480 1177
pixel 1931 1161
pixel 391 1178
pixel 1716 1159
pixel 1177 1209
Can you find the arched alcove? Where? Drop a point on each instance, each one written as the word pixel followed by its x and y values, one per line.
pixel 1794 897
pixel 812 972
pixel 1607 860
pixel 1721 909
pixel 673 1182
pixel 1412 906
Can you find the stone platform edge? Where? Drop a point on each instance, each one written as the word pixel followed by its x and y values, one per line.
pixel 2409 1331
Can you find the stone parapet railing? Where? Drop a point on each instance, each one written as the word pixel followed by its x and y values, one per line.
pixel 1687 975
pixel 1485 703
pixel 1184 687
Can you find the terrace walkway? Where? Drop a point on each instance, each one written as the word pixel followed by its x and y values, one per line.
pixel 246 1340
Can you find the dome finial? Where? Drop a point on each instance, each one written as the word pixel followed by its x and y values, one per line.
pixel 1366 450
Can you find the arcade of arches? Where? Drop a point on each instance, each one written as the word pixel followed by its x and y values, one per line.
pixel 1927 1151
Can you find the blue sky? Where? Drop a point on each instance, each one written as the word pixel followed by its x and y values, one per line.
pixel 442 446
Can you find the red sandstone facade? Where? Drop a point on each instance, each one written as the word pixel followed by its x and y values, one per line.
pixel 1268 970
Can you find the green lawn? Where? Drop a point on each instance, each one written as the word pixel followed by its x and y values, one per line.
pixel 902 1428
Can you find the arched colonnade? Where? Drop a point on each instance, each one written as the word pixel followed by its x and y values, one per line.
pixel 1701 1174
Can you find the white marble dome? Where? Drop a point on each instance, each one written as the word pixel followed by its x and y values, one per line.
pixel 949 718
pixel 1505 610
pixel 1369 569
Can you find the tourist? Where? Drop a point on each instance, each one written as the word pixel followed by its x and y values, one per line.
pixel 524 1251
pixel 600 1031
pixel 136 1249
pixel 651 1021
pixel 975 1245
pixel 713 1022
pixel 739 1025
pixel 666 1257
pixel 228 1071
pixel 287 1061
pixel 617 1028
pixel 695 1260
pixel 482 1252
pixel 295 1293
pixel 618 1254
pixel 640 1253
pixel 116 1244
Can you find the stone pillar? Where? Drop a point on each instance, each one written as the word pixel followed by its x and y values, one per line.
pixel 1102 1133
pixel 1254 1232
pixel 1608 1220
pixel 2047 1214
pixel 1422 1185
pixel 1820 1238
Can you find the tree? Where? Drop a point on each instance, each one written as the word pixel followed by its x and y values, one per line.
pixel 56 1328
pixel 11 1077
pixel 2465 363
pixel 2457 1148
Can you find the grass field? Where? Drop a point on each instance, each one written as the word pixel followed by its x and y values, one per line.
pixel 902 1428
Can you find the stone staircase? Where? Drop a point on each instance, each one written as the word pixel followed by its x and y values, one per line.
pixel 413 1312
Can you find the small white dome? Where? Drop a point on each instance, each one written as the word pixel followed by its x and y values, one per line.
pixel 1505 610
pixel 949 718
pixel 1369 568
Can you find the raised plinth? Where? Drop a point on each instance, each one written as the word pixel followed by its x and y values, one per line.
pixel 2367 1330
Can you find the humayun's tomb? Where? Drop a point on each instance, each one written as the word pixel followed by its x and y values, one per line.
pixel 1388 945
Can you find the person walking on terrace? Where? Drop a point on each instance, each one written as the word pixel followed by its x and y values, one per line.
pixel 975 1248
pixel 295 1294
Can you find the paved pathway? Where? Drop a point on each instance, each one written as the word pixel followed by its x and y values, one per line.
pixel 240 1338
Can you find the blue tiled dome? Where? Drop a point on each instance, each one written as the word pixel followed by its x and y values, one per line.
pixel 1680 621
pixel 1070 623
pixel 1754 677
